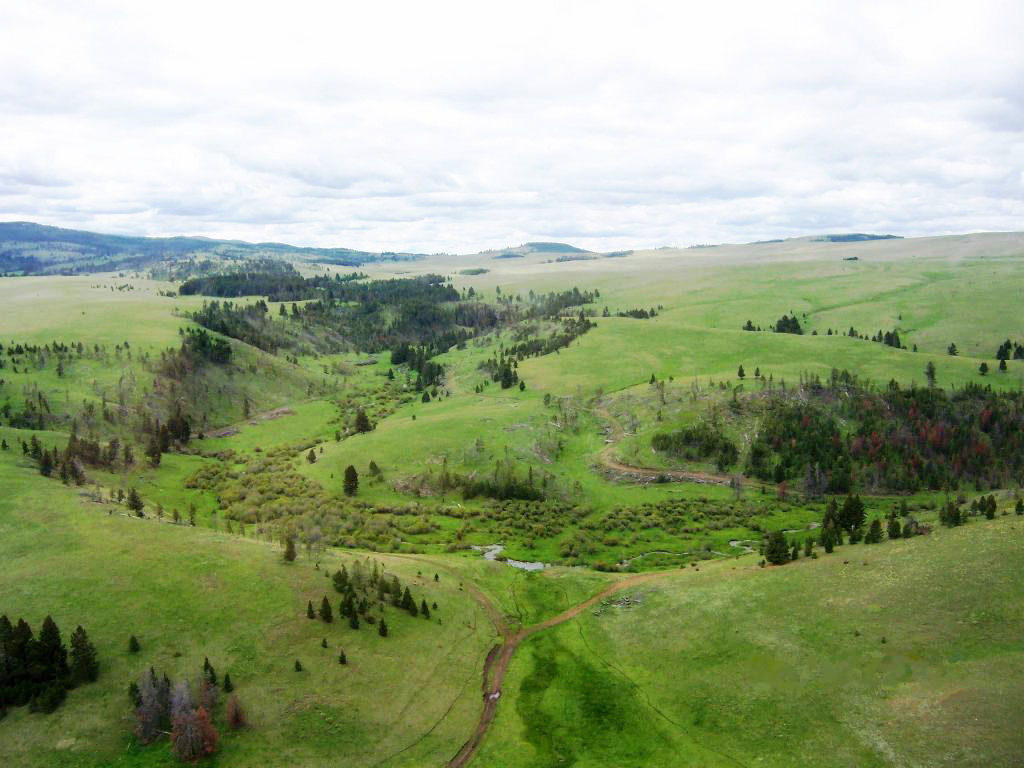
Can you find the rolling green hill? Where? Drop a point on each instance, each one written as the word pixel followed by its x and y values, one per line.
pixel 516 406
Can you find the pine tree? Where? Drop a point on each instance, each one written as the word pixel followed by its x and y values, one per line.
pixel 310 613
pixel 950 515
pixel 311 456
pixel 828 538
pixel 340 579
pixel 874 534
pixel 228 685
pixel 353 620
pixel 341 658
pixel 1020 507
pixel 852 515
pixel 776 549
pixel 808 546
pixel 351 482
pixel 85 666
pixel 298 665
pixel 209 674
pixel 893 528
pixel 325 610
pixel 424 609
pixel 135 502
pixel 289 549
pixel 362 421
pixel 929 373
pixel 382 627
pixel 740 373
pixel 133 644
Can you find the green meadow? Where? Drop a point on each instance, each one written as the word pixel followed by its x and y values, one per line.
pixel 902 653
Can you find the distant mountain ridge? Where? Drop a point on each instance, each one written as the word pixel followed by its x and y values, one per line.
pixel 29 248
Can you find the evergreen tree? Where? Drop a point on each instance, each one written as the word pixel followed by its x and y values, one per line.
pixel 740 373
pixel 776 549
pixel 353 620
pixel 310 613
pixel 828 538
pixel 874 534
pixel 351 482
pixel 983 368
pixel 45 464
pixel 950 515
pixel 152 451
pixel 929 373
pixel 228 685
pixel 85 666
pixel 852 515
pixel 50 651
pixel 424 609
pixel 808 546
pixel 362 421
pixel 340 580
pixel 135 502
pixel 133 644
pixel 298 665
pixel 311 456
pixel 1020 507
pixel 382 627
pixel 289 549
pixel 341 658
pixel 325 610
pixel 209 674
pixel 893 528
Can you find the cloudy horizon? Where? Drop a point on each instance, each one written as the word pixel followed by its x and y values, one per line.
pixel 458 126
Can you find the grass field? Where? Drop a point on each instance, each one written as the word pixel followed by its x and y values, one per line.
pixel 189 593
pixel 903 653
pixel 714 661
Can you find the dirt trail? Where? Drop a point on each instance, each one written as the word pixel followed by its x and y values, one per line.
pixel 610 463
pixel 500 657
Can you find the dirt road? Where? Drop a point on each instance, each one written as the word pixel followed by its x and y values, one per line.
pixel 500 656
pixel 609 463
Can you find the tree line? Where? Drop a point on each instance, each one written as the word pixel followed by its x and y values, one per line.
pixel 40 670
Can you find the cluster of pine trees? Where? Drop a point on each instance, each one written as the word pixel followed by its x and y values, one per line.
pixel 700 441
pixel 844 523
pixel 1010 350
pixel 277 280
pixel 365 590
pixel 39 671
pixel 903 439
pixel 186 717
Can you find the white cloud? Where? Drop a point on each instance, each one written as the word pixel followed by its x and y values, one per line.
pixel 458 126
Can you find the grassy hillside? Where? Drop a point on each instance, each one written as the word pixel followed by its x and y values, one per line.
pixel 711 661
pixel 189 593
pixel 903 653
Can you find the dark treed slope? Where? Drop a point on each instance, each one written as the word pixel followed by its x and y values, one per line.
pixel 28 248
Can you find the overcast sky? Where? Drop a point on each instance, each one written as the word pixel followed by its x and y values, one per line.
pixel 438 126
